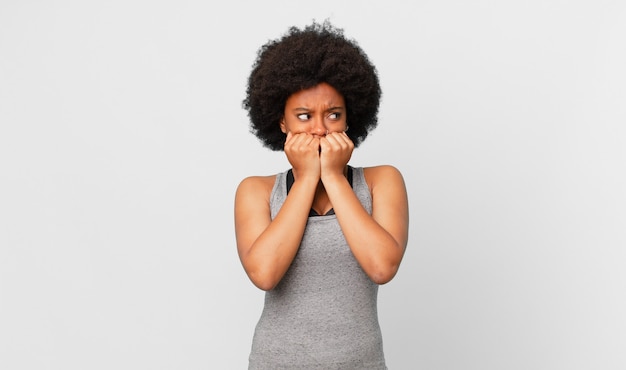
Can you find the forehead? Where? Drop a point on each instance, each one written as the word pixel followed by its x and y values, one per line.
pixel 321 94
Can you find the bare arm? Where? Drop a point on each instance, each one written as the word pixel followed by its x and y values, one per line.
pixel 378 241
pixel 267 247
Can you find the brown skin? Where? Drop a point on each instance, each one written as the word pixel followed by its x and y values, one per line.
pixel 318 150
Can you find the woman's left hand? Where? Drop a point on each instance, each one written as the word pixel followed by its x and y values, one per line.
pixel 336 150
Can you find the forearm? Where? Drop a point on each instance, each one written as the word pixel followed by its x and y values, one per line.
pixel 271 254
pixel 376 250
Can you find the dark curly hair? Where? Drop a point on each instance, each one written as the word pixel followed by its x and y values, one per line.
pixel 304 58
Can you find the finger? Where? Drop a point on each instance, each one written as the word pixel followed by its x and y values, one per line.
pixel 341 135
pixel 307 139
pixel 324 143
pixel 296 139
pixel 345 139
pixel 315 144
pixel 304 142
pixel 336 140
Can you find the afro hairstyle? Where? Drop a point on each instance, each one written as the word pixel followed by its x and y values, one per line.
pixel 304 58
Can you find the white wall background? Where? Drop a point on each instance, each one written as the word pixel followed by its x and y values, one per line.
pixel 122 140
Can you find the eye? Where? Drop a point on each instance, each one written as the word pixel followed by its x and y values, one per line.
pixel 334 115
pixel 303 116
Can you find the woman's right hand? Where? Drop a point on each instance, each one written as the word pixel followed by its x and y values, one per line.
pixel 267 246
pixel 303 153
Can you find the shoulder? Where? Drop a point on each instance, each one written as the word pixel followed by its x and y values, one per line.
pixel 388 191
pixel 257 184
pixel 382 174
pixel 253 195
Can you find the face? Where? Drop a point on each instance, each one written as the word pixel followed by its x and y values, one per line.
pixel 316 111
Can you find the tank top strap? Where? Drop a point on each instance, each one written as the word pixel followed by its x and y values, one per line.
pixel 283 183
pixel 312 212
pixel 290 178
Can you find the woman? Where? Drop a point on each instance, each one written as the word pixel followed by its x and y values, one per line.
pixel 320 237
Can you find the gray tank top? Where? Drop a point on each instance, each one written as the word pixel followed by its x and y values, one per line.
pixel 323 313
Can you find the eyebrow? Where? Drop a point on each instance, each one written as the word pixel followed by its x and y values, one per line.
pixel 303 109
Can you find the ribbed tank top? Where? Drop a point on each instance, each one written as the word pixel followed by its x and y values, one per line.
pixel 323 313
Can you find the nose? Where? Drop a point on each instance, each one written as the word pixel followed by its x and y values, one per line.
pixel 319 128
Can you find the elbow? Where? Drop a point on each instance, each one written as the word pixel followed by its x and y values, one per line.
pixel 263 281
pixel 263 274
pixel 385 268
pixel 264 285
pixel 384 275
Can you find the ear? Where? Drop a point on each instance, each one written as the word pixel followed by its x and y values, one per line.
pixel 282 126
